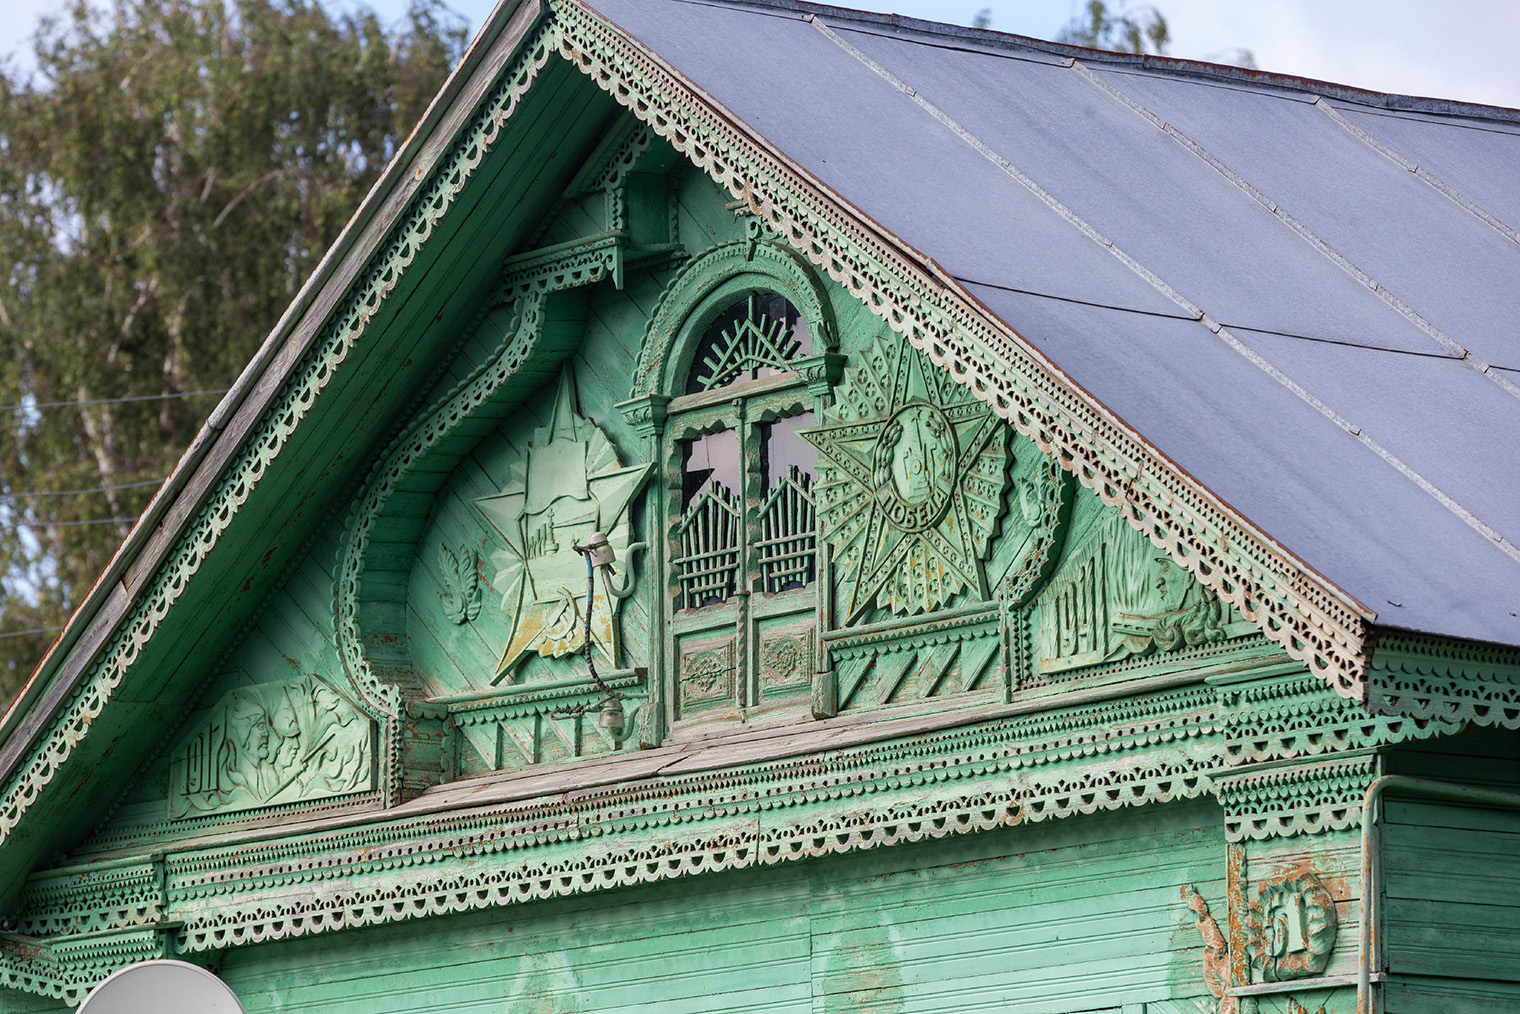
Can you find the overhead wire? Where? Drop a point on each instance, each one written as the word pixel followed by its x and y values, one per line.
pixel 22 523
pixel 25 407
pixel 82 492
pixel 94 489
pixel 34 630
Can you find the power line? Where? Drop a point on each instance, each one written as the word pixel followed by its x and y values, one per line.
pixel 34 630
pixel 83 492
pixel 110 401
pixel 72 524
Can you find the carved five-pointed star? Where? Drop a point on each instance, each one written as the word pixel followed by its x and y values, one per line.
pixel 567 484
pixel 912 470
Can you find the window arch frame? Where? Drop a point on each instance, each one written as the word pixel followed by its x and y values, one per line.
pixel 740 626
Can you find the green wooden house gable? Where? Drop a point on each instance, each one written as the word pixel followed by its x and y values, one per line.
pixel 917 680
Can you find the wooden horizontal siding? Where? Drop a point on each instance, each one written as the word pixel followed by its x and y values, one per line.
pixel 1413 995
pixel 1451 898
pixel 1076 915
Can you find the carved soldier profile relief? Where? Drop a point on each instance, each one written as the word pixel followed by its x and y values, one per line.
pixel 271 744
pixel 912 471
pixel 565 485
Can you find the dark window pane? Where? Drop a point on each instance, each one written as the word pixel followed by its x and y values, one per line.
pixel 788 547
pixel 712 457
pixel 706 562
pixel 782 448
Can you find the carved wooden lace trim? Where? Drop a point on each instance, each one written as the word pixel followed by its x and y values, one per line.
pixel 1295 608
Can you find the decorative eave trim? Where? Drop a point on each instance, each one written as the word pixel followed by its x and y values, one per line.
pixel 1437 679
pixel 1282 753
pixel 420 192
pixel 1103 756
pixel 1313 620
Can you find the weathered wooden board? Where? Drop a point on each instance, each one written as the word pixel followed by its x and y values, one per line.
pixel 1078 915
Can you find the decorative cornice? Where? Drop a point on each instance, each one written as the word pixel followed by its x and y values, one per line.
pixel 652 824
pixel 1298 799
pixel 1430 678
pixel 68 968
pixel 1292 718
pixel 958 780
pixel 1312 620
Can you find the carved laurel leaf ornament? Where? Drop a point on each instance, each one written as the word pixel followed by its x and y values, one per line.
pixel 461 594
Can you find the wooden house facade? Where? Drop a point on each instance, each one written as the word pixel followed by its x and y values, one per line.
pixel 774 508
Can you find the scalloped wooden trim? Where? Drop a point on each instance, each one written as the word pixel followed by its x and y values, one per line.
pixel 404 455
pixel 1099 756
pixel 1316 622
pixel 1437 679
pixel 294 400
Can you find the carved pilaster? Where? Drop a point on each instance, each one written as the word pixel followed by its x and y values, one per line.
pixel 646 415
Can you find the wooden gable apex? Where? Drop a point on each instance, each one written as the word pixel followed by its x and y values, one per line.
pixel 330 420
pixel 417 224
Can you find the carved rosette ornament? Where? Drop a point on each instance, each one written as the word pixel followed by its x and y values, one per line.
pixel 1292 928
pixel 911 475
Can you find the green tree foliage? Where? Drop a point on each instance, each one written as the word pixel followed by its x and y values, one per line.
pixel 1142 30
pixel 169 175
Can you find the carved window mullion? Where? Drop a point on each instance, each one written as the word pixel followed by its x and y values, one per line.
pixel 753 493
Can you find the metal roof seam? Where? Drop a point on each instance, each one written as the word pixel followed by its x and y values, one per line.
pixel 1474 522
pixel 1240 347
pixel 959 46
pixel 1441 186
pixel 1403 309
pixel 1212 74
pixel 1013 171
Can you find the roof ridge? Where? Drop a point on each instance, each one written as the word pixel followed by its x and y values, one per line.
pixel 1175 66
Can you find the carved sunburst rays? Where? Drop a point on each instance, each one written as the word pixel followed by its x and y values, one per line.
pixel 911 475
pixel 746 339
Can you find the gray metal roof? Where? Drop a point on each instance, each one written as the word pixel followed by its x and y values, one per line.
pixel 1359 403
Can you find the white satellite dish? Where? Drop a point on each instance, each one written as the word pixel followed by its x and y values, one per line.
pixel 161 987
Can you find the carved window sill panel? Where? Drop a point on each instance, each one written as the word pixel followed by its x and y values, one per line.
pixel 1246 653
pixel 528 694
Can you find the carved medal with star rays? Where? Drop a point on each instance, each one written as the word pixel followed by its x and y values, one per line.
pixel 911 475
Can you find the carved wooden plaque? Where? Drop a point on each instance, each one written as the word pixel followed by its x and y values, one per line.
pixel 268 745
pixel 568 484
pixel 912 469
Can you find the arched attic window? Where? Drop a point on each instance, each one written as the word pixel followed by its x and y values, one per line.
pixel 742 517
pixel 742 349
